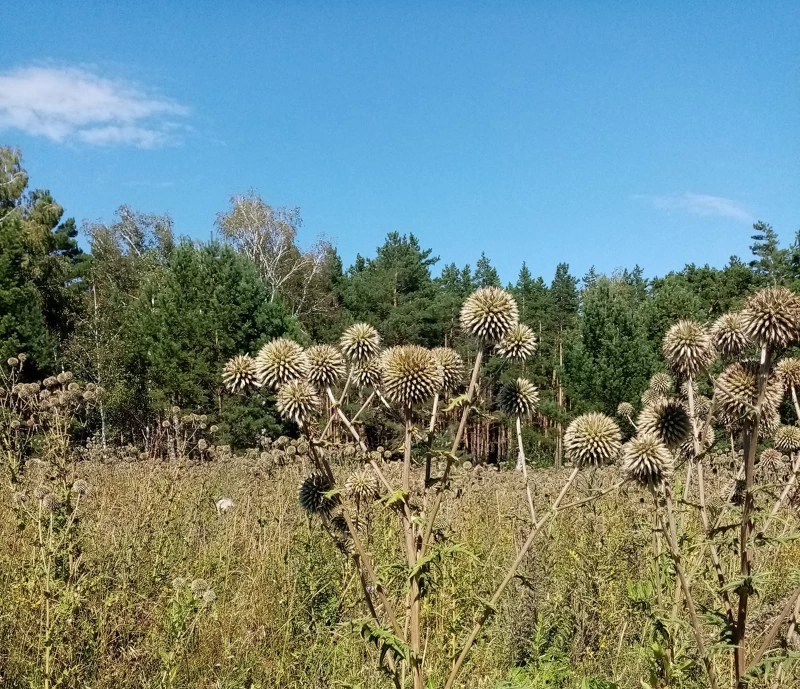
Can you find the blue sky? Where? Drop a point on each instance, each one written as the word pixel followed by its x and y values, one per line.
pixel 603 134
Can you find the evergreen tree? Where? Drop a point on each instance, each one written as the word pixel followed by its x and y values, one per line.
pixel 485 274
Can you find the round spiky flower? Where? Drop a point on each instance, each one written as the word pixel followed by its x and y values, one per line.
pixel 592 439
pixel 688 348
pixel 666 419
pixel 361 486
pixel 12 362
pixel 788 370
pixel 312 498
pixel 50 503
pixel 367 374
pixel 452 367
pixel 410 374
pixel 518 343
pixel 281 361
pixel 661 383
pixel 702 405
pixel 296 401
pixel 647 460
pixel 519 397
pixel 737 389
pixel 325 365
pixel 729 336
pixel 687 446
pixel 772 317
pixel 360 342
pixel 770 422
pixel 625 410
pixel 239 373
pixel 771 462
pixel 650 396
pixel 489 314
pixel 787 439
pixel 80 487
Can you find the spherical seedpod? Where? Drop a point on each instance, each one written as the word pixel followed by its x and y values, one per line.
pixel 326 365
pixel 687 446
pixel 771 462
pixel 772 317
pixel 788 370
pixel 647 460
pixel 787 438
pixel 667 419
pixel 410 374
pixel 362 486
pixel 662 383
pixel 281 361
pixel 729 335
pixel 297 401
pixel 452 367
pixel 737 390
pixel 625 410
pixel 518 344
pixel 312 495
pixel 239 373
pixel 688 348
pixel 367 374
pixel 489 314
pixel 592 439
pixel 360 342
pixel 518 397
pixel 770 422
pixel 650 396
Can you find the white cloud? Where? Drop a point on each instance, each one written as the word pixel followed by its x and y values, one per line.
pixel 68 104
pixel 703 205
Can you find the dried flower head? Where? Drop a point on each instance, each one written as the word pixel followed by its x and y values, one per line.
pixel 687 446
pixel 702 405
pixel 64 377
pixel 80 487
pixel 518 343
pixel 729 335
pixel 770 422
pixel 667 419
pixel 12 362
pixel 209 597
pixel 50 382
pixel 367 374
pixel 592 439
pixel 647 460
pixel 50 503
pixel 649 397
pixel 202 445
pixel 40 491
pixel 198 586
pixel 239 373
pixel 361 485
pixel 22 357
pixel 737 390
pixel 787 439
pixel 452 367
pixel 360 342
pixel 325 365
pixel 771 462
pixel 518 397
pixel 688 348
pixel 281 361
pixel 772 317
pixel 625 410
pixel 489 314
pixel 661 383
pixel 410 374
pixel 788 371
pixel 296 401
pixel 312 495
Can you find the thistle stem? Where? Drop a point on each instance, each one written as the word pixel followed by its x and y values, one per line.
pixel 521 460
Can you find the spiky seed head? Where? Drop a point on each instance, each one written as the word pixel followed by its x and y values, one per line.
pixel 12 362
pixel 771 462
pixel 737 390
pixel 729 336
pixel 625 410
pixel 312 498
pixel 687 385
pixel 661 383
pixel 361 485
pixel 647 460
pixel 198 586
pixel 22 357
pixel 518 343
pixel 650 396
pixel 702 405
pixel 281 361
pixel 239 373
pixel 592 439
pixel 367 374
pixel 452 367
pixel 297 401
pixel 518 397
pixel 688 348
pixel 209 597
pixel 50 503
pixel 788 370
pixel 360 342
pixel 666 419
pixel 787 438
pixel 202 445
pixel 770 422
pixel 772 317
pixel 325 365
pixel 80 487
pixel 687 446
pixel 50 382
pixel 489 313
pixel 64 377
pixel 410 374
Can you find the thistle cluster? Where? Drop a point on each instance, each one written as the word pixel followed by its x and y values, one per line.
pixel 737 390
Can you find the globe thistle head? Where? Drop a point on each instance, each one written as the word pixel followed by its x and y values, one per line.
pixel 772 317
pixel 592 439
pixel 661 383
pixel 410 374
pixel 788 371
pixel 80 487
pixel 688 348
pixel 649 397
pixel 367 374
pixel 729 336
pixel 687 446
pixel 666 419
pixel 202 445
pixel 209 597
pixel 518 343
pixel 361 485
pixel 647 460
pixel 360 342
pixel 50 503
pixel 325 365
pixel 771 462
pixel 239 373
pixel 12 362
pixel 452 367
pixel 489 314
pixel 625 410
pixel 280 361
pixel 737 390
pixel 787 439
pixel 769 423
pixel 312 495
pixel 297 401
pixel 198 586
pixel 702 405
pixel 518 397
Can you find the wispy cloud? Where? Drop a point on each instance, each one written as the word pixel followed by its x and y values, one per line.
pixel 76 104
pixel 702 205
